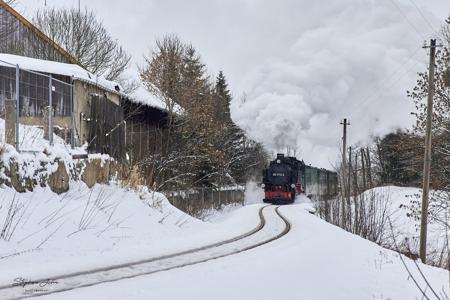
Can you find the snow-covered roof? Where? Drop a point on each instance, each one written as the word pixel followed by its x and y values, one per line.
pixel 140 95
pixel 52 67
pixel 143 96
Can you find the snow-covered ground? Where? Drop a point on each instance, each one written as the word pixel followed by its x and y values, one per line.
pixel 44 234
pixel 315 260
pixel 31 139
pixel 87 228
pixel 402 205
pixel 36 152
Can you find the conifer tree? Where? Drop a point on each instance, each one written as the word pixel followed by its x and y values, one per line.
pixel 203 146
pixel 193 79
pixel 223 99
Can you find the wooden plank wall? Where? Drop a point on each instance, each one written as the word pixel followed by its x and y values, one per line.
pixel 106 128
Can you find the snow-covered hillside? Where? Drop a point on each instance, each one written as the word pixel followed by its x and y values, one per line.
pixel 315 260
pixel 43 234
pixel 402 229
pixel 52 234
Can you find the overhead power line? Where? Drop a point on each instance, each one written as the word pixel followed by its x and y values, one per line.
pixel 408 20
pixel 388 82
pixel 423 16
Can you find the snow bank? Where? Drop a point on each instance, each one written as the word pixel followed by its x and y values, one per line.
pixel 403 208
pixel 314 261
pixel 87 228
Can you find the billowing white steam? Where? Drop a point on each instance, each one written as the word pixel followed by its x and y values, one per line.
pixel 349 58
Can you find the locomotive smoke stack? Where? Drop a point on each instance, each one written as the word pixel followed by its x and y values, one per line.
pixel 280 155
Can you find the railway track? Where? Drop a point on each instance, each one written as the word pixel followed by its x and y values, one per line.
pixel 272 226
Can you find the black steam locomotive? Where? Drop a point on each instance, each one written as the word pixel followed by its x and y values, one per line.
pixel 286 177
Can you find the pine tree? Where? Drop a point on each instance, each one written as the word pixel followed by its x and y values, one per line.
pixel 223 99
pixel 204 147
pixel 193 80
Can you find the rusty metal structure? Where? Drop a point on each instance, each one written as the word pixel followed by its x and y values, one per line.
pixel 18 36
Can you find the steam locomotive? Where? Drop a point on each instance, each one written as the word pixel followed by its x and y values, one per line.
pixel 286 177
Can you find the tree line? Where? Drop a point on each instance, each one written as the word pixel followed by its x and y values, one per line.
pixel 200 144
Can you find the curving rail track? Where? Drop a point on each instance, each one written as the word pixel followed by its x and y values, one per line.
pixel 272 226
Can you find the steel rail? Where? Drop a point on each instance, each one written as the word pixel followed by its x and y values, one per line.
pixel 262 223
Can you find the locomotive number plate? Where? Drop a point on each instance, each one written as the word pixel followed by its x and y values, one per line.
pixel 278 174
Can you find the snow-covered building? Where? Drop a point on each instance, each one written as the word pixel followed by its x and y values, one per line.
pixel 104 117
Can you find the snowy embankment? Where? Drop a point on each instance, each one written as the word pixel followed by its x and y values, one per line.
pixel 43 233
pixel 316 260
pixel 52 234
pixel 402 228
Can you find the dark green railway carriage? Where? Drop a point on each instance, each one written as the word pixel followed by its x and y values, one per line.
pixel 319 184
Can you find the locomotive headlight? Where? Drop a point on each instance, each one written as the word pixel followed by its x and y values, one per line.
pixel 278 161
pixel 292 185
pixel 263 185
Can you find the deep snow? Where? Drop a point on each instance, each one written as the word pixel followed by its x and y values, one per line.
pixel 84 229
pixel 87 228
pixel 315 260
pixel 403 208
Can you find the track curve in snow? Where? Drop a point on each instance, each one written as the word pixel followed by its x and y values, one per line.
pixel 272 226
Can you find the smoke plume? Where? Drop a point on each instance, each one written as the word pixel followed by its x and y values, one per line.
pixel 351 58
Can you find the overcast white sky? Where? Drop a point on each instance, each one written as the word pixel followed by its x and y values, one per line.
pixel 303 64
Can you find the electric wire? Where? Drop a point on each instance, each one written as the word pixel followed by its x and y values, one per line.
pixel 408 20
pixel 378 90
pixel 423 17
pixel 383 86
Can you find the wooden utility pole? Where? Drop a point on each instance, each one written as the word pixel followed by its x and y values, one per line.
pixel 427 155
pixel 355 173
pixel 369 167
pixel 356 189
pixel 363 169
pixel 350 171
pixel 350 192
pixel 343 170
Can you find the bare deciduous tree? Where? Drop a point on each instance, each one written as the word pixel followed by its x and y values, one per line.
pixel 161 75
pixel 201 146
pixel 86 39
